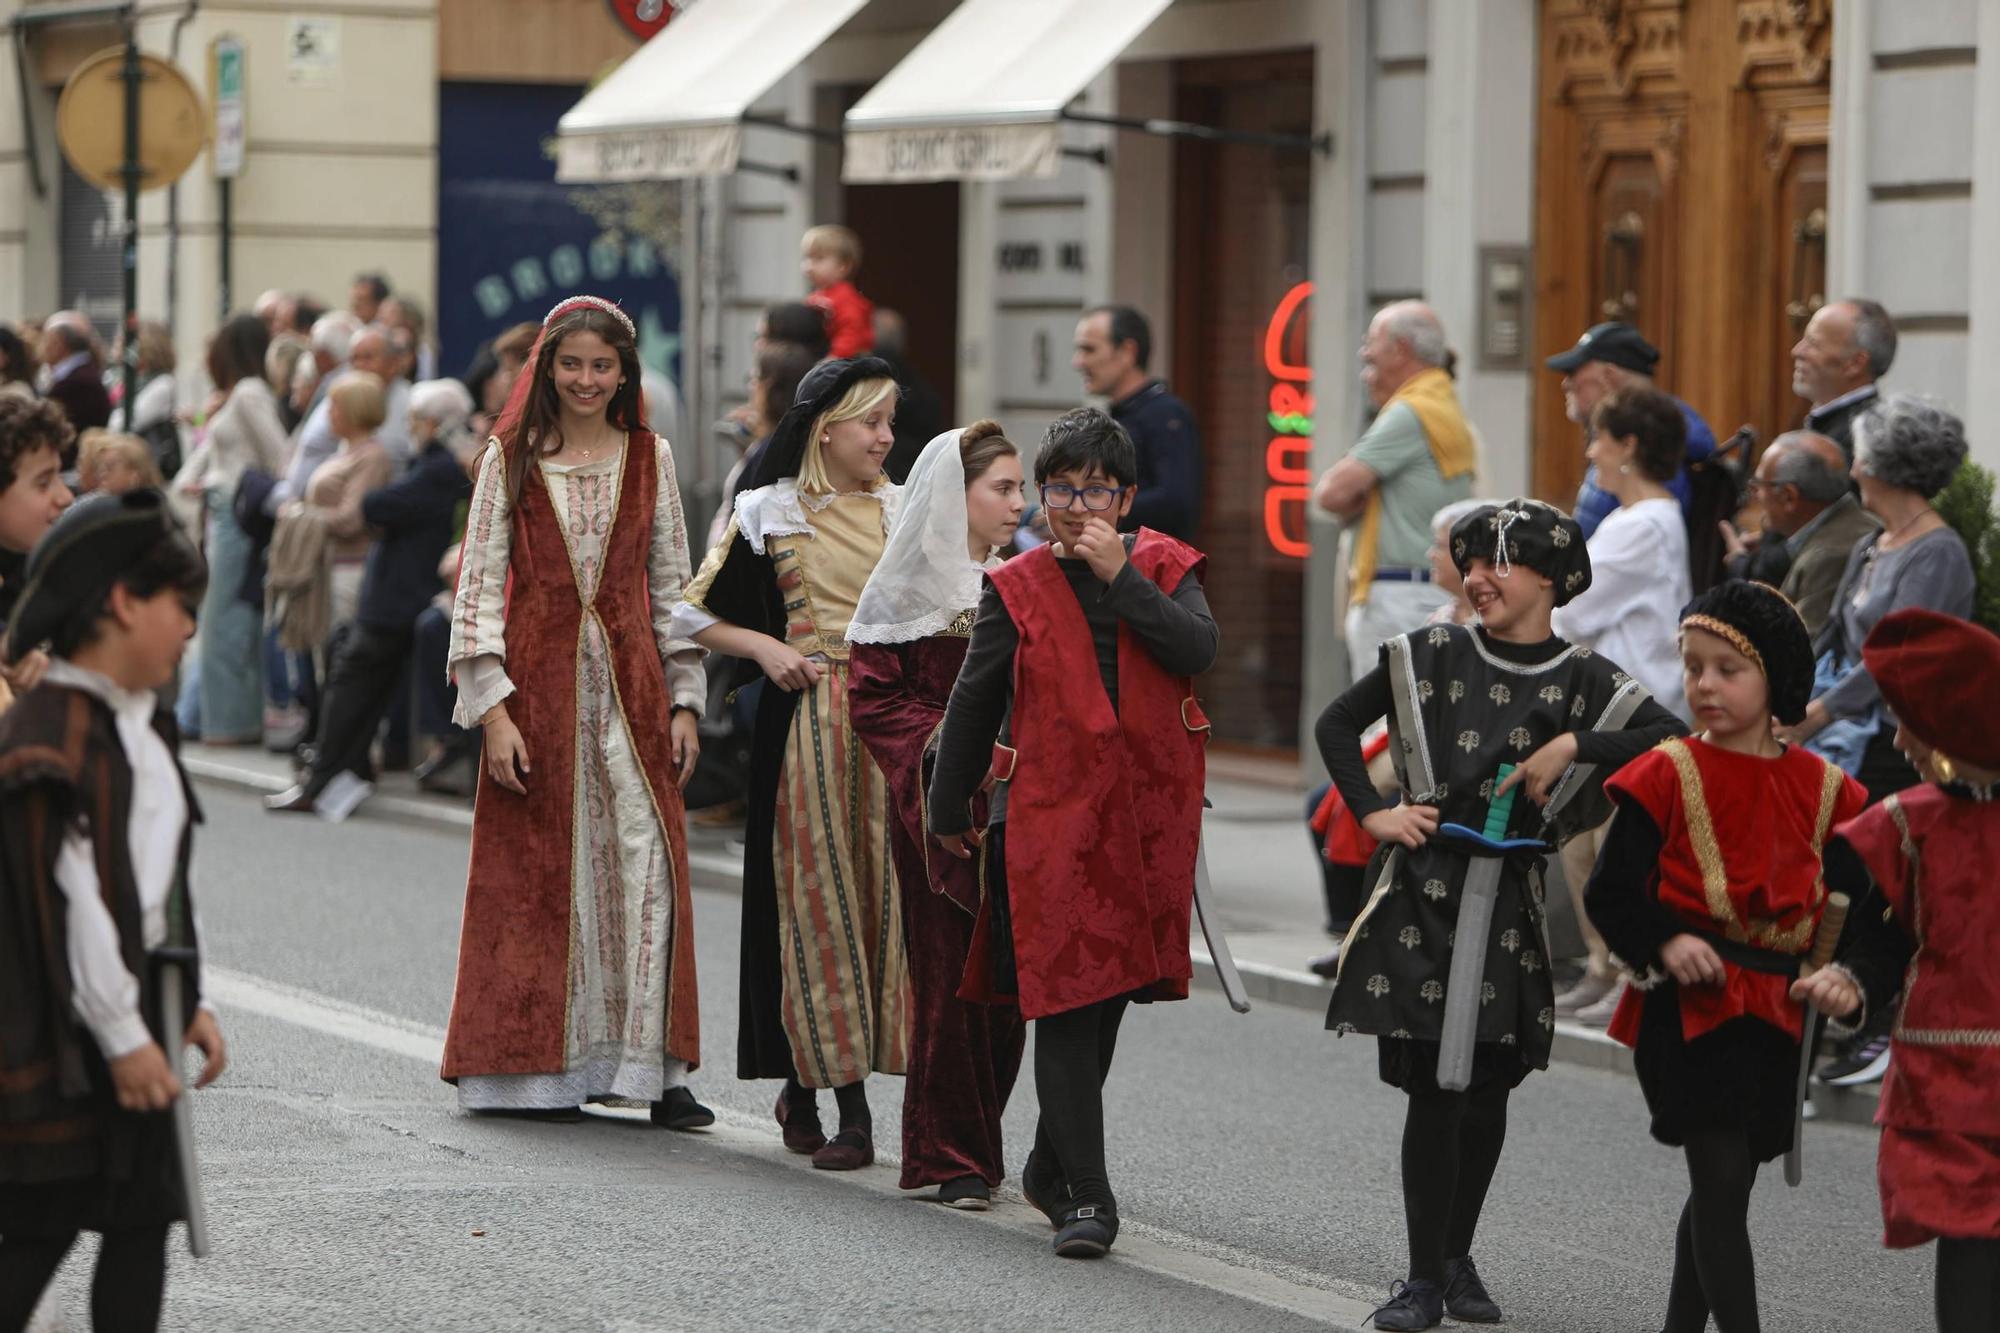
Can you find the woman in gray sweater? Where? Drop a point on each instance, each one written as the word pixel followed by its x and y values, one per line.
pixel 1906 450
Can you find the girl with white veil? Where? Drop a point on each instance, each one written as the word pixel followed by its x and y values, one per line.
pixel 963 499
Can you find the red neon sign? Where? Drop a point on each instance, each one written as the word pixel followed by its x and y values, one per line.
pixel 1288 457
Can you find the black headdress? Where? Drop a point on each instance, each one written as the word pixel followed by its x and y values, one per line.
pixel 1760 623
pixel 1525 532
pixel 79 559
pixel 819 390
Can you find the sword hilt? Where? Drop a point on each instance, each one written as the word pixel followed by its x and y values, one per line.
pixel 1831 923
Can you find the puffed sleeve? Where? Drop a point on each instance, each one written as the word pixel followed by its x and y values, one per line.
pixel 478 656
pixel 667 573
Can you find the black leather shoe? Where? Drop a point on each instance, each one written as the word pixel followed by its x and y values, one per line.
pixel 1412 1305
pixel 1465 1295
pixel 292 800
pixel 968 1193
pixel 1043 1187
pixel 678 1109
pixel 555 1115
pixel 1086 1232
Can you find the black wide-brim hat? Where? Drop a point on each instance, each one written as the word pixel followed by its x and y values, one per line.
pixel 1762 624
pixel 80 557
pixel 821 389
pixel 1525 532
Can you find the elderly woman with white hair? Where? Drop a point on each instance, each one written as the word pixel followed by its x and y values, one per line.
pixel 412 520
pixel 1906 450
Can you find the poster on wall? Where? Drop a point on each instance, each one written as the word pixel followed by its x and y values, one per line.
pixel 312 51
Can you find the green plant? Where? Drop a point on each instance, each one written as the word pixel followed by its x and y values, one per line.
pixel 1967 505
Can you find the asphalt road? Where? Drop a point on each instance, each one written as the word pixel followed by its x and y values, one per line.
pixel 1255 1159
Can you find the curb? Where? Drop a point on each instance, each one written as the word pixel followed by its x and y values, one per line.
pixel 1574 1044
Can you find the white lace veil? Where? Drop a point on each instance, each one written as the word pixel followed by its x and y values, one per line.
pixel 925 578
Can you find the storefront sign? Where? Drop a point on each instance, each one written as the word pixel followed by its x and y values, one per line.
pixel 960 152
pixel 648 154
pixel 1288 457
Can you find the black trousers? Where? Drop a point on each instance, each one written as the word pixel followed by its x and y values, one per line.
pixel 360 687
pixel 125 1292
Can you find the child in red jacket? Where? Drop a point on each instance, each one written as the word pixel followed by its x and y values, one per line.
pixel 830 257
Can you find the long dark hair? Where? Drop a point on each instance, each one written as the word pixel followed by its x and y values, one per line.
pixel 236 352
pixel 538 428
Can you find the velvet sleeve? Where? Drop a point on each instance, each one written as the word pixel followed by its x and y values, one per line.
pixel 1338 734
pixel 895 723
pixel 1649 724
pixel 973 718
pixel 1619 898
pixel 1874 948
pixel 734 584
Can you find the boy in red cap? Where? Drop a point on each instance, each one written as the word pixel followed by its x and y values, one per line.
pixel 1931 850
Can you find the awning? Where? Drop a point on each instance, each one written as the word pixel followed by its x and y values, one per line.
pixel 676 107
pixel 983 97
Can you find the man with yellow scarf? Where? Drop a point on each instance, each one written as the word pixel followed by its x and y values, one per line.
pixel 1417 457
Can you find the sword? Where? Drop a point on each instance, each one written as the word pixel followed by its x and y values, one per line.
pixel 174 1020
pixel 1487 852
pixel 1830 924
pixel 1211 931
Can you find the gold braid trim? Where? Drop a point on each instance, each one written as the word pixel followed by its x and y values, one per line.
pixel 1800 937
pixel 1735 637
pixel 1707 850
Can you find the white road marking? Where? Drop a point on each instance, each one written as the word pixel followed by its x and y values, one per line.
pixel 1160 1250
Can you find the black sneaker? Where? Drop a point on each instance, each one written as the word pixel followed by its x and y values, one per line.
pixel 1465 1295
pixel 1044 1188
pixel 1864 1057
pixel 679 1110
pixel 969 1193
pixel 1412 1305
pixel 1086 1232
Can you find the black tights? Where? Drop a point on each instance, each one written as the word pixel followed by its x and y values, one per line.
pixel 1451 1145
pixel 1968 1285
pixel 1714 1272
pixel 852 1099
pixel 125 1292
pixel 1072 1059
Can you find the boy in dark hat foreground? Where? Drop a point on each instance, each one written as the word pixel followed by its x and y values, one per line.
pixel 1462 701
pixel 96 819
pixel 1931 850
pixel 1709 889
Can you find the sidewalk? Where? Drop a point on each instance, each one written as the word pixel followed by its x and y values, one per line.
pixel 1259 857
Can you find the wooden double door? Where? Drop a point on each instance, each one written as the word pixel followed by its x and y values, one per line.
pixel 1681 186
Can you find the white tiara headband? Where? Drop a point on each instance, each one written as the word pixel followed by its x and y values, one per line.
pixel 596 303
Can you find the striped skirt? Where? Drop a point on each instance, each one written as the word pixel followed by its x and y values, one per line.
pixel 840 929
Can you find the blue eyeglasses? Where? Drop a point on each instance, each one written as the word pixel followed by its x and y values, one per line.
pixel 1097 499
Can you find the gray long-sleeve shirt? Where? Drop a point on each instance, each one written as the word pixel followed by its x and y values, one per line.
pixel 1177 631
pixel 1932 572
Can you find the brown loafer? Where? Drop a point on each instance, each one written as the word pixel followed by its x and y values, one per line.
pixel 849 1150
pixel 293 800
pixel 801 1135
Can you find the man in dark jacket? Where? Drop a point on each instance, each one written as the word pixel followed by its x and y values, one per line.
pixel 1847 346
pixel 76 377
pixel 414 516
pixel 1114 344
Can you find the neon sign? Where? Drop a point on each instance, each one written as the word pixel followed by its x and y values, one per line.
pixel 1288 457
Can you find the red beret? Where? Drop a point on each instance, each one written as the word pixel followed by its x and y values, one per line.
pixel 1936 673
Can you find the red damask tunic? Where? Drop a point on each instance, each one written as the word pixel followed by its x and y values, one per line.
pixel 1103 807
pixel 1933 856
pixel 1741 838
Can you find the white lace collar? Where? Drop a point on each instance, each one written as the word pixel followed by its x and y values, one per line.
pixel 780 510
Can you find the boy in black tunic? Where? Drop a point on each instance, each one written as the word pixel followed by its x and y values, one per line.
pixel 1461 701
pixel 95 823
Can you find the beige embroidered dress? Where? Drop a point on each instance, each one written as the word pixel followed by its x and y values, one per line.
pixel 622 892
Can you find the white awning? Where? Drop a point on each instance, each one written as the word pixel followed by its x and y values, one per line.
pixel 675 108
pixel 982 97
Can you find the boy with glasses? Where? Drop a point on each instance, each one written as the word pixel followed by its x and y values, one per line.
pixel 1097 796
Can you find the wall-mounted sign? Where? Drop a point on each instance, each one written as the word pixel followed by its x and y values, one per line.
pixel 312 51
pixel 1288 457
pixel 952 153
pixel 643 18
pixel 231 127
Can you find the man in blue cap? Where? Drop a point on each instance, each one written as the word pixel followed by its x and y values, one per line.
pixel 1610 356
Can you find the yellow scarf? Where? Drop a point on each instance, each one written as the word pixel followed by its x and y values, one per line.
pixel 1431 397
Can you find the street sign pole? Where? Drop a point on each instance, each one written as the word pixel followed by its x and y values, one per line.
pixel 134 172
pixel 229 140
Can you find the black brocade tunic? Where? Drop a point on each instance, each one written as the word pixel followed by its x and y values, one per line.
pixel 1461 705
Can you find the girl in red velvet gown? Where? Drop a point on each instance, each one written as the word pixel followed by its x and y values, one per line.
pixel 1931 850
pixel 963 500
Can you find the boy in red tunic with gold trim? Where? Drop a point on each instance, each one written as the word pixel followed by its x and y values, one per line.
pixel 1931 850
pixel 1709 888
pixel 1075 698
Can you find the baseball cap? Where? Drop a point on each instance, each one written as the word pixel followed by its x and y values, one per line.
pixel 1615 343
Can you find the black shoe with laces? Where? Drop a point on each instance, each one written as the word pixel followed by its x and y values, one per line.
pixel 1465 1295
pixel 1415 1304
pixel 1086 1232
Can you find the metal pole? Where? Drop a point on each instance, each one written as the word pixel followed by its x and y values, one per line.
pixel 134 172
pixel 228 188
